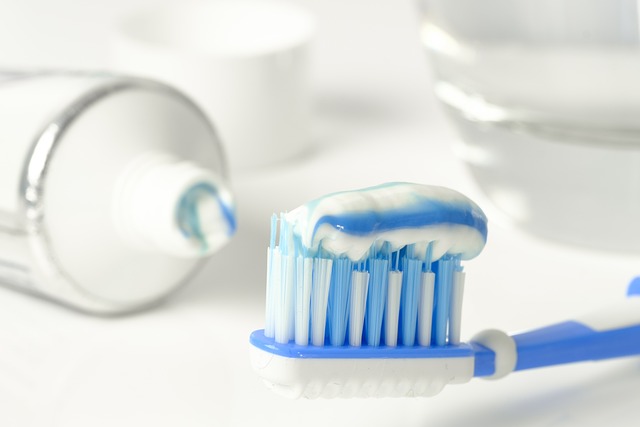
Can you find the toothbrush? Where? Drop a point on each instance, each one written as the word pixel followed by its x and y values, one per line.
pixel 364 299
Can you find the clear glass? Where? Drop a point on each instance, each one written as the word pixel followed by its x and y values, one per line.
pixel 545 95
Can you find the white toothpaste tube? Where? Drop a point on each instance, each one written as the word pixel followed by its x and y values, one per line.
pixel 113 190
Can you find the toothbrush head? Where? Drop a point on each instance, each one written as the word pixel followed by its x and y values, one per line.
pixel 343 372
pixel 364 293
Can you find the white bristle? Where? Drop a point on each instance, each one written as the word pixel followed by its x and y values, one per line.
pixel 455 314
pixel 425 308
pixel 319 297
pixel 284 315
pixel 392 309
pixel 273 279
pixel 358 303
pixel 304 270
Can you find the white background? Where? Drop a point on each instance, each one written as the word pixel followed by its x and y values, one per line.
pixel 185 363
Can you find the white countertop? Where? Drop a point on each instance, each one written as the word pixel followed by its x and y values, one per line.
pixel 185 363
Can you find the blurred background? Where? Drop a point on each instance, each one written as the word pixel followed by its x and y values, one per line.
pixel 529 108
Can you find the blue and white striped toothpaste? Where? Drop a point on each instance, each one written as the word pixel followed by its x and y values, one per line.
pixel 392 251
pixel 352 223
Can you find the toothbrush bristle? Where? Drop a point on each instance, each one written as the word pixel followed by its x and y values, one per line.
pixel 388 298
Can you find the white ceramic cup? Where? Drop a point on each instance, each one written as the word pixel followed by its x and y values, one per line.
pixel 245 62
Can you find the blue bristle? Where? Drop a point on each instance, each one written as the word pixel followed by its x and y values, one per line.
pixel 395 257
pixel 289 286
pixel 428 258
pixel 376 298
pixel 285 230
pixel 338 304
pixel 411 275
pixel 442 299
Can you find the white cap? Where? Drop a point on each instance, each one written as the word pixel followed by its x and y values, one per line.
pixel 173 206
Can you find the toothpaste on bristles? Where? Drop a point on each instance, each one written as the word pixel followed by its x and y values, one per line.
pixel 374 267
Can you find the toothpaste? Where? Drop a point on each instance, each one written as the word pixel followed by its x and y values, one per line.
pixel 389 217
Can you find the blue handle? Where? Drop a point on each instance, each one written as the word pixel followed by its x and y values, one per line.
pixel 572 341
pixel 607 334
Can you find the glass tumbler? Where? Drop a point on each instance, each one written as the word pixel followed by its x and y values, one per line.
pixel 545 95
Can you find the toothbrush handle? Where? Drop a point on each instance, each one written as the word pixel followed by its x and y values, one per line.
pixel 606 334
pixel 574 341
